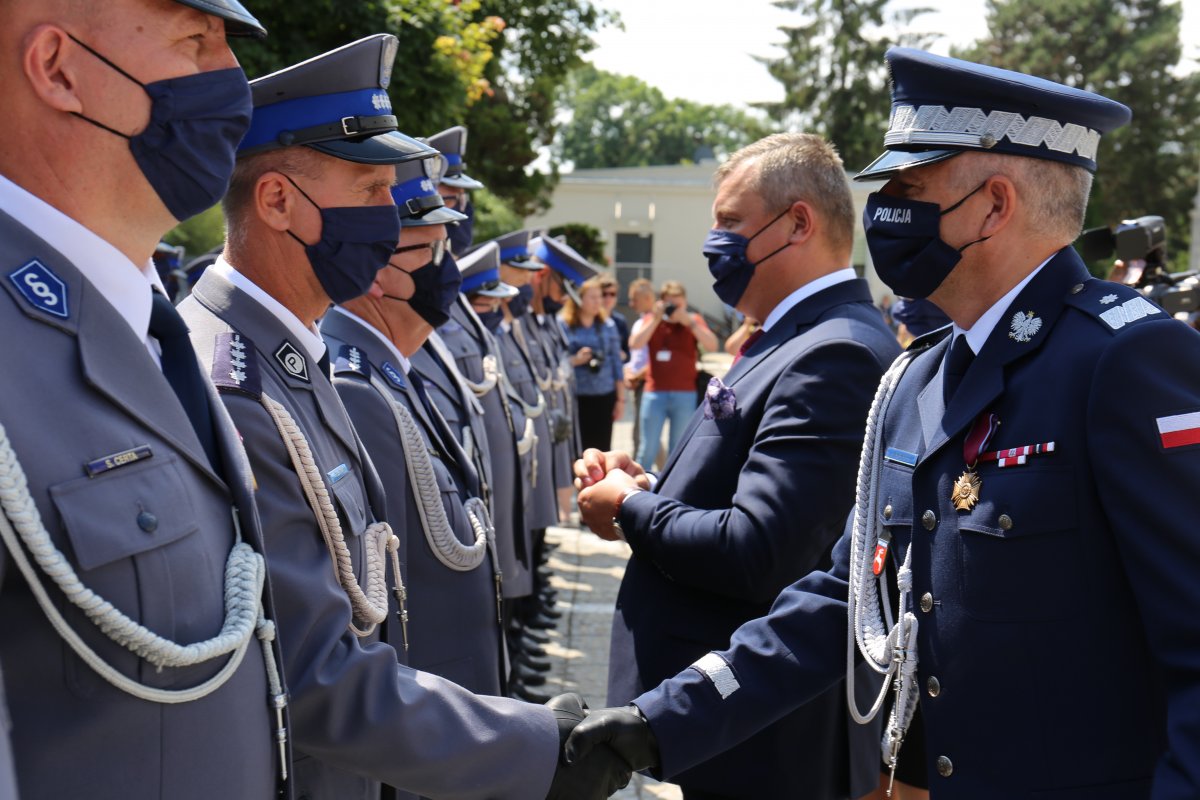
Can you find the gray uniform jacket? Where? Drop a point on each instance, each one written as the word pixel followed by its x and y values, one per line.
pixel 354 706
pixel 504 424
pixel 453 629
pixel 149 532
pixel 548 347
pixel 541 508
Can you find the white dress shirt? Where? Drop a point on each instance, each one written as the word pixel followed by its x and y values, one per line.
pixel 308 336
pixel 125 285
pixel 983 327
pixel 806 291
pixel 401 360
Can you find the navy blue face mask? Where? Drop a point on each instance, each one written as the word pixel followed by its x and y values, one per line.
pixel 491 319
pixel 462 234
pixel 188 148
pixel 904 237
pixel 435 287
pixel 727 261
pixel 356 242
pixel 551 306
pixel 520 304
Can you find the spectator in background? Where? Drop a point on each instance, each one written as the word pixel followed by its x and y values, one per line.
pixel 672 333
pixel 737 340
pixel 916 317
pixel 596 356
pixel 641 300
pixel 609 292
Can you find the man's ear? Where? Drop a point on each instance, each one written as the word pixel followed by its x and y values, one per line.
pixel 275 201
pixel 803 222
pixel 49 61
pixel 1000 191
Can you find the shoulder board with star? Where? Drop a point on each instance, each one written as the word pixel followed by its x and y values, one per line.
pixel 352 360
pixel 928 340
pixel 235 365
pixel 1115 306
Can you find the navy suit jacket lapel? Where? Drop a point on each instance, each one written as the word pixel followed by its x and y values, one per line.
pixel 1044 296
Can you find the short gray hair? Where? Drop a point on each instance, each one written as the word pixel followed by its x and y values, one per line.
pixel 302 161
pixel 799 166
pixel 1055 195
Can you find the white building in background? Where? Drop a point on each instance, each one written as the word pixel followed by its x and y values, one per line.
pixel 653 221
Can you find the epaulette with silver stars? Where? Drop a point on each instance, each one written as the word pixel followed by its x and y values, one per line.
pixel 1114 305
pixel 352 361
pixel 235 365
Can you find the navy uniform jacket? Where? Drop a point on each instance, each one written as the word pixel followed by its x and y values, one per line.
pixel 83 387
pixel 359 716
pixel 541 508
pixel 745 505
pixel 453 629
pixel 1059 645
pixel 504 424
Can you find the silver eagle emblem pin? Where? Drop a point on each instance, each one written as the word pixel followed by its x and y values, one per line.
pixel 1024 326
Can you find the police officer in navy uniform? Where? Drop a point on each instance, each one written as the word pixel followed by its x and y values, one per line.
pixel 1049 628
pixel 311 221
pixel 435 492
pixel 132 624
pixel 755 494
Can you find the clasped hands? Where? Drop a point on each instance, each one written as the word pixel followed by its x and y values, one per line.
pixel 600 749
pixel 602 479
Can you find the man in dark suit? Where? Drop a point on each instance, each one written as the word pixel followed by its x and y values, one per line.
pixel 1031 472
pixel 756 492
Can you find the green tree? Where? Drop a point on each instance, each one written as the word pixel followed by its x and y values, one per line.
pixel 587 240
pixel 493 216
pixel 1130 51
pixel 833 73
pixel 621 121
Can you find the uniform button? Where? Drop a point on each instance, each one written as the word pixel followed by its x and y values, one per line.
pixel 1077 288
pixel 945 766
pixel 147 522
pixel 887 512
pixel 929 520
pixel 927 602
pixel 1005 522
pixel 933 686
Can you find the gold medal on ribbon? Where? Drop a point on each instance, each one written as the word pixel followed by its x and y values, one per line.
pixel 965 493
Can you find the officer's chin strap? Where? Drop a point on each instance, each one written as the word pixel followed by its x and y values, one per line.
pixel 444 543
pixel 889 649
pixel 245 575
pixel 370 605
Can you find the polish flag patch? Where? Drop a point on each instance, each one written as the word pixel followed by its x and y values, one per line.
pixel 1179 430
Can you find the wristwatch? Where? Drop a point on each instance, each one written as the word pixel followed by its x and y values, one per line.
pixel 616 520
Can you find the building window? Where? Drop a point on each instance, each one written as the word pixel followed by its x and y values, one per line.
pixel 635 248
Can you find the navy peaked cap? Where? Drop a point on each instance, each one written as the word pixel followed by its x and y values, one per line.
pixel 336 103
pixel 452 143
pixel 417 196
pixel 564 259
pixel 944 106
pixel 514 250
pixel 481 272
pixel 238 21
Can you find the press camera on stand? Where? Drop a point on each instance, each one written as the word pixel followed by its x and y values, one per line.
pixel 1140 246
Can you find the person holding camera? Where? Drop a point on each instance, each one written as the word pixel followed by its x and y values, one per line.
pixel 596 355
pixel 672 334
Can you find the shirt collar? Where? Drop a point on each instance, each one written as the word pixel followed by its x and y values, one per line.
pixel 309 338
pixel 401 360
pixel 806 291
pixel 983 327
pixel 122 283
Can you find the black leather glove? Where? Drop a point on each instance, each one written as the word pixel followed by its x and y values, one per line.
pixel 624 729
pixel 594 777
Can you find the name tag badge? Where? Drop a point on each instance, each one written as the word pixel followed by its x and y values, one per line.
pixel 117 460
pixel 662 355
pixel 338 472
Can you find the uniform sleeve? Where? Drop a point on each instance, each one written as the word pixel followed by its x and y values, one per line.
pixel 794 489
pixel 779 662
pixel 1148 483
pixel 354 706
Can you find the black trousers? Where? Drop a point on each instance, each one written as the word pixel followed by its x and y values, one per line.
pixel 595 419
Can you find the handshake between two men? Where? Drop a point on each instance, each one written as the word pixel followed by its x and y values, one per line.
pixel 601 749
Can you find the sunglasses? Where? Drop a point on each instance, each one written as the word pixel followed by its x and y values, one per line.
pixel 437 248
pixel 610 294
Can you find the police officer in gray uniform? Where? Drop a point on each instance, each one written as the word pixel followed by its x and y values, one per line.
pixel 128 515
pixel 311 220
pixel 435 493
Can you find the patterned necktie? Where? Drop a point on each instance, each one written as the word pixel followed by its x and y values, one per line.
pixel 751 340
pixel 182 371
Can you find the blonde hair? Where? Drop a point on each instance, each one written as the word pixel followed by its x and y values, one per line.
pixel 571 311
